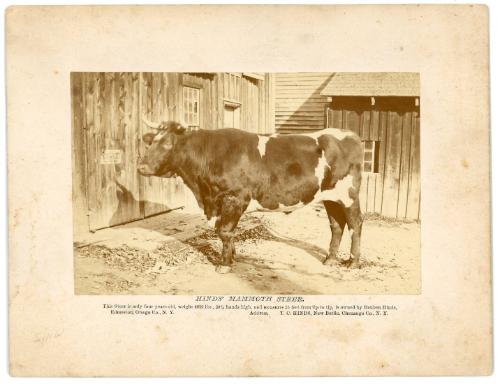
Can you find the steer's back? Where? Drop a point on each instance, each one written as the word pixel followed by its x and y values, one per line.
pixel 277 170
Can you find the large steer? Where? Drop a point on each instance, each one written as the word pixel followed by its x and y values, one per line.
pixel 231 171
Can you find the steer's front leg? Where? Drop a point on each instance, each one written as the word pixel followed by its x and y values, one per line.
pixel 230 214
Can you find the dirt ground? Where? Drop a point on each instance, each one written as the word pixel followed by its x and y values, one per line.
pixel 175 253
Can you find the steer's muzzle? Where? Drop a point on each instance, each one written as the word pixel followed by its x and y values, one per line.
pixel 145 170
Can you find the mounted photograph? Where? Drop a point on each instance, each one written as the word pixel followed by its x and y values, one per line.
pixel 293 183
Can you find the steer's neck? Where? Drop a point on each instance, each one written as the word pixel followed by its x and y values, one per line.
pixel 186 162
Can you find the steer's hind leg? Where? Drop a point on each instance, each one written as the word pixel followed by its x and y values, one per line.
pixel 355 223
pixel 337 218
pixel 230 214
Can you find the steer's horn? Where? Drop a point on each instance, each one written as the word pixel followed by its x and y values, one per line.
pixel 150 124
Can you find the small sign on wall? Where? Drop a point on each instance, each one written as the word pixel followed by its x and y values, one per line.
pixel 111 156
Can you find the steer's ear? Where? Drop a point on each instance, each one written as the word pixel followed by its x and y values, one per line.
pixel 148 138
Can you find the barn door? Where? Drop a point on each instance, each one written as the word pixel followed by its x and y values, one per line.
pixel 160 99
pixel 111 116
pixel 114 104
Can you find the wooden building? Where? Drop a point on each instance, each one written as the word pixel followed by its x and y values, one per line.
pixel 383 108
pixel 107 130
pixel 300 106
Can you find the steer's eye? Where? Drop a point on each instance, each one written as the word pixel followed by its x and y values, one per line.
pixel 148 138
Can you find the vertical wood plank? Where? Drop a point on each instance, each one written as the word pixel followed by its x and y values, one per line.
pixel 253 109
pixel 261 107
pixel 225 86
pixel 392 165
pixel 100 137
pixel 214 102
pixel 370 194
pixel 272 104
pixel 336 119
pixel 413 205
pixel 374 125
pixel 152 185
pixel 95 87
pixel 404 173
pixel 238 88
pixel 353 121
pixel 111 212
pixel 132 140
pixel 220 100
pixel 89 89
pixel 145 111
pixel 205 105
pixel 79 159
pixel 379 190
pixel 365 125
pixel 244 104
pixel 363 192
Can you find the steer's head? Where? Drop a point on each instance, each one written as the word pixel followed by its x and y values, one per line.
pixel 157 160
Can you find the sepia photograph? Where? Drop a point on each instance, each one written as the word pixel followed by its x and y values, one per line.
pixel 246 183
pixel 246 190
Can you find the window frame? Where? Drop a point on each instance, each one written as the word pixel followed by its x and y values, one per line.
pixel 375 147
pixel 234 105
pixel 197 106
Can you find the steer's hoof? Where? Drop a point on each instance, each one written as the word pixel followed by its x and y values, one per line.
pixel 223 269
pixel 351 263
pixel 332 261
pixel 355 264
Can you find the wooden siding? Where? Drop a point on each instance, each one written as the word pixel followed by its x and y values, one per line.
pixel 107 110
pixel 299 105
pixel 112 189
pixel 394 191
pixel 161 100
pixel 256 97
pixel 79 154
pixel 249 105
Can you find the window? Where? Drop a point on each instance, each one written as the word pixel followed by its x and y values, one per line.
pixel 371 156
pixel 191 104
pixel 231 115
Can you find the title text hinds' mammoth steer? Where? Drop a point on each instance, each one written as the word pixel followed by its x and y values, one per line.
pixel 232 171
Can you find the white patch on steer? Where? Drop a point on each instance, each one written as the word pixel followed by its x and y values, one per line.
pixel 262 144
pixel 339 194
pixel 339 134
pixel 211 222
pixel 319 171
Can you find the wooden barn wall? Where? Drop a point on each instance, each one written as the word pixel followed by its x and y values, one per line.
pixel 256 99
pixel 78 155
pixel 161 99
pixel 299 105
pixel 105 119
pixel 394 191
pixel 107 110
